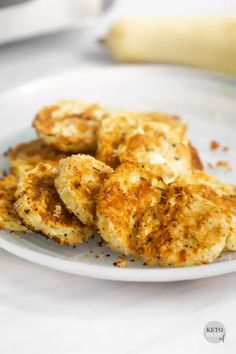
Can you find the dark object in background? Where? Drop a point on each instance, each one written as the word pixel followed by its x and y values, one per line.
pixel 6 3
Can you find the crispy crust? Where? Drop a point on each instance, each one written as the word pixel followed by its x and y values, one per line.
pixel 201 177
pixel 184 229
pixel 157 144
pixel 23 157
pixel 78 184
pixel 176 224
pixel 196 160
pixel 70 125
pixel 122 199
pixel 223 195
pixel 40 208
pixel 8 218
pixel 115 129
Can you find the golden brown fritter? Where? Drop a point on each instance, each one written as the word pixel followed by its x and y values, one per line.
pixel 122 200
pixel 115 129
pixel 41 209
pixel 9 220
pixel 156 144
pixel 170 224
pixel 78 184
pixel 70 125
pixel 184 229
pixel 23 157
pixel 223 195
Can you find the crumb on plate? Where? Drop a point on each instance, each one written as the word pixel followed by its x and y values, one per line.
pixel 121 262
pixel 100 255
pixel 214 145
pixel 223 164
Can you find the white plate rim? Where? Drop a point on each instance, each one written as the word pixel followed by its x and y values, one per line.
pixel 121 274
pixel 176 69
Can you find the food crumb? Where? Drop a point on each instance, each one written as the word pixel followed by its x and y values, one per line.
pixel 98 256
pixel 223 164
pixel 225 148
pixel 122 262
pixel 214 145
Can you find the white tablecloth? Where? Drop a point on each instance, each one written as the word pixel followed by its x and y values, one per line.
pixel 45 311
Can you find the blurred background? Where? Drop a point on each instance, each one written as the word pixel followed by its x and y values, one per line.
pixel 39 38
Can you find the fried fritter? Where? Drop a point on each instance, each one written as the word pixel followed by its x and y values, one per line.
pixel 115 129
pixel 170 224
pixel 39 206
pixel 156 144
pixel 122 200
pixel 184 229
pixel 78 184
pixel 223 195
pixel 70 125
pixel 23 157
pixel 9 220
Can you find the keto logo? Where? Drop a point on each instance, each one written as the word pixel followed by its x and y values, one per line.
pixel 214 332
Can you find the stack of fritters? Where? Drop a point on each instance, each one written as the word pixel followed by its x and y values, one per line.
pixel 145 192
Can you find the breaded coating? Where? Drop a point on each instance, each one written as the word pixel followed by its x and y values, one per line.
pixel 155 144
pixel 70 125
pixel 115 129
pixel 201 177
pixel 196 159
pixel 112 132
pixel 23 157
pixel 122 199
pixel 223 195
pixel 173 121
pixel 184 229
pixel 9 220
pixel 78 184
pixel 41 209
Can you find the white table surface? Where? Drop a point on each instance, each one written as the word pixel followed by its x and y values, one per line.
pixel 45 311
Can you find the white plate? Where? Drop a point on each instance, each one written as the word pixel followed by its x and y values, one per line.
pixel 206 102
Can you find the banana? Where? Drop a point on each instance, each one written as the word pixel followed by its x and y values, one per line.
pixel 204 42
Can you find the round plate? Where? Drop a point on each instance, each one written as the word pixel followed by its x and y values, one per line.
pixel 206 102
